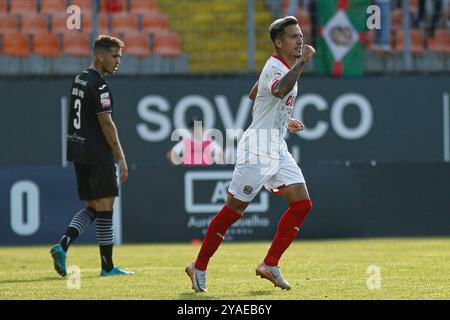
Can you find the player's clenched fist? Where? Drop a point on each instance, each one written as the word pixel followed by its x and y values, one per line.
pixel 308 53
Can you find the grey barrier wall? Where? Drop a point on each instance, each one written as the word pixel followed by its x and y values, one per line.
pixel 375 154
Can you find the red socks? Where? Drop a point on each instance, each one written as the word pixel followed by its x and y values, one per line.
pixel 215 234
pixel 287 230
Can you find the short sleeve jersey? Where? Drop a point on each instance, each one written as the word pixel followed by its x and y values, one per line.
pixel 90 96
pixel 265 136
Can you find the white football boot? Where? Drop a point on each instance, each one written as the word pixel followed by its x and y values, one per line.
pixel 198 277
pixel 273 274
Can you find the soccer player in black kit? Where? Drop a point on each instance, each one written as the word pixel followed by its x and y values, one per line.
pixel 93 146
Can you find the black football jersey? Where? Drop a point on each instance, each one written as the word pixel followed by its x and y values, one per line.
pixel 90 96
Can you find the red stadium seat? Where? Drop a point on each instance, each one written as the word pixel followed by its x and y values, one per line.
pixel 167 44
pixel 16 44
pixel 124 22
pixel 112 6
pixel 440 43
pixel 8 23
pixel 34 23
pixel 142 6
pixel 46 44
pixel 155 23
pixel 22 7
pixel 137 44
pixel 75 44
pixel 53 6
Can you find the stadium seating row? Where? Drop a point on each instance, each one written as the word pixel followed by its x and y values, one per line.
pixel 40 27
pixel 116 23
pixel 59 6
pixel 439 44
pixel 74 43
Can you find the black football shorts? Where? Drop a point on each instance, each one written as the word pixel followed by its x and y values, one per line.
pixel 96 181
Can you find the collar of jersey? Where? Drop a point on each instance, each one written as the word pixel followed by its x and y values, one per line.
pixel 276 56
pixel 96 71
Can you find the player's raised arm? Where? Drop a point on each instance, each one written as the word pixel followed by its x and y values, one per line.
pixel 254 91
pixel 110 131
pixel 285 85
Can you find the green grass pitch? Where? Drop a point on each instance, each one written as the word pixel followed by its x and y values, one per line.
pixel 409 268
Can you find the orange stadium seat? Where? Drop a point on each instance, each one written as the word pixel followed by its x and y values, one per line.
pixel 303 17
pixel 85 5
pixel 124 22
pixel 137 44
pixel 142 6
pixel 16 44
pixel 22 7
pixel 46 44
pixel 397 19
pixel 155 23
pixel 413 6
pixel 304 21
pixel 53 6
pixel 373 47
pixel 34 23
pixel 3 6
pixel 112 6
pixel 8 23
pixel 167 44
pixel 59 23
pixel 103 23
pixel 370 39
pixel 441 41
pixel 284 5
pixel 417 41
pixel 75 44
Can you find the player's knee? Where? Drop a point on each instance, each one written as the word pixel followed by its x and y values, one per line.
pixel 237 205
pixel 105 204
pixel 302 207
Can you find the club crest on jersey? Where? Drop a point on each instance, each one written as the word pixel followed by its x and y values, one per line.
pixel 105 100
pixel 248 189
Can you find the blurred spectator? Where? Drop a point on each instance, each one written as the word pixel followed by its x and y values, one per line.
pixel 429 14
pixel 196 149
pixel 382 35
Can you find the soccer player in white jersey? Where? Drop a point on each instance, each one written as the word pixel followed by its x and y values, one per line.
pixel 263 158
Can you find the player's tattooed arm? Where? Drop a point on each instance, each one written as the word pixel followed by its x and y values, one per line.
pixel 285 85
pixel 110 131
pixel 254 91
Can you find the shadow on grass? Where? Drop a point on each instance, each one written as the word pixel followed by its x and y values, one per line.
pixel 43 279
pixel 208 296
pixel 260 293
pixel 31 280
pixel 197 296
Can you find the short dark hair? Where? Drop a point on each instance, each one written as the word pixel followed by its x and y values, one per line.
pixel 276 29
pixel 105 43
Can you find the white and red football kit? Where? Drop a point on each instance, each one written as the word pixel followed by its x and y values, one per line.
pixel 262 155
